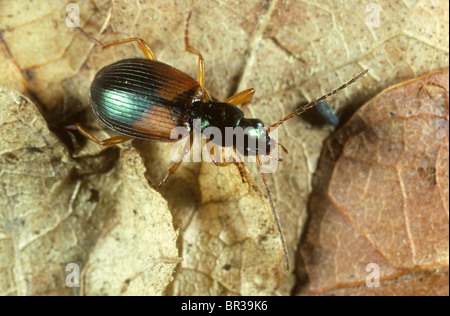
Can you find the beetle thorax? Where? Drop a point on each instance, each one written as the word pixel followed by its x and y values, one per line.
pixel 225 125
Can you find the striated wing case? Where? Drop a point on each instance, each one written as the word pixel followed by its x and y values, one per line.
pixel 143 98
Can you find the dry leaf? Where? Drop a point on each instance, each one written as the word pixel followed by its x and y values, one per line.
pixel 289 51
pixel 53 214
pixel 230 240
pixel 141 248
pixel 382 197
pixel 35 201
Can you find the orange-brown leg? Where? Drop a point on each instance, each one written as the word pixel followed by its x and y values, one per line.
pixel 175 165
pixel 221 164
pixel 213 158
pixel 142 44
pixel 245 175
pixel 106 142
pixel 147 52
pixel 201 60
pixel 170 172
pixel 242 98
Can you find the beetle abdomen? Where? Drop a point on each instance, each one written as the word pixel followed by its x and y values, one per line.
pixel 143 98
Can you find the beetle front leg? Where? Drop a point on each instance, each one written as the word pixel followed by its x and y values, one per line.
pixel 242 98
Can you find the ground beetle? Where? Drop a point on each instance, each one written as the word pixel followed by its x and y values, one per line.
pixel 142 98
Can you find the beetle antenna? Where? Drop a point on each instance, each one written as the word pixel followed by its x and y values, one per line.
pixel 309 105
pixel 275 215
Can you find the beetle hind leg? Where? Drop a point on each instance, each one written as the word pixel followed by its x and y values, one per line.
pixel 106 142
pixel 142 44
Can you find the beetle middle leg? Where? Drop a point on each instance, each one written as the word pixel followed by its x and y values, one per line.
pixel 186 149
pixel 170 172
pixel 201 60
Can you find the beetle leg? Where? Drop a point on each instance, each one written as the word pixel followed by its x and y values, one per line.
pixel 246 178
pixel 142 44
pixel 175 165
pixel 106 142
pixel 192 50
pixel 171 171
pixel 221 164
pixel 242 98
pixel 213 157
pixel 245 175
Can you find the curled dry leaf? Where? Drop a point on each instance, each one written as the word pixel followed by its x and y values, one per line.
pixel 289 51
pixel 36 237
pixel 53 214
pixel 381 200
pixel 140 249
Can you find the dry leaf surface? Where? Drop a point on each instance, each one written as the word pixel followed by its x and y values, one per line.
pixel 35 200
pixel 141 247
pixel 289 51
pixel 53 213
pixel 382 197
